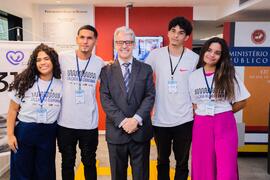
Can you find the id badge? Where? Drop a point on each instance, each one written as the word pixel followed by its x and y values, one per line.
pixel 79 96
pixel 41 115
pixel 210 108
pixel 172 86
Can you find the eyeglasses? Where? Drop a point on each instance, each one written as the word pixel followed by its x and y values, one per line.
pixel 121 43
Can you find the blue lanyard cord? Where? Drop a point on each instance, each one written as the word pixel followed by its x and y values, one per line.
pixel 41 99
pixel 208 88
pixel 78 68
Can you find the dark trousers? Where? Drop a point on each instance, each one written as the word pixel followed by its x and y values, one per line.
pixel 88 140
pixel 35 158
pixel 139 160
pixel 179 139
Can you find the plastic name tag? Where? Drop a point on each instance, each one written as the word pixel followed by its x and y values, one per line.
pixel 41 115
pixel 172 86
pixel 79 96
pixel 210 108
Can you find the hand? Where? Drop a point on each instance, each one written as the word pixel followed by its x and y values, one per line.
pixel 131 125
pixel 194 106
pixel 12 143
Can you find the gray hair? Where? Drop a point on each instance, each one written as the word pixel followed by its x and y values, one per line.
pixel 125 30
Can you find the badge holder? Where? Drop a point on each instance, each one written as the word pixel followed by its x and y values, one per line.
pixel 79 95
pixel 210 108
pixel 172 86
pixel 41 114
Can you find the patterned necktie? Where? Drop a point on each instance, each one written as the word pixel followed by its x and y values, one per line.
pixel 126 75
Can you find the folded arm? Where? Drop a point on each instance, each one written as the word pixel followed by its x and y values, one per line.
pixel 237 106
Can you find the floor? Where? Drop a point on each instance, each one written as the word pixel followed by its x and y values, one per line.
pixel 250 168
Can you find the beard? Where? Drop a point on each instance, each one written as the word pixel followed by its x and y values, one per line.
pixel 85 50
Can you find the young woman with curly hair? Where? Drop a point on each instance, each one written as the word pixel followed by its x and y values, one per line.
pixel 31 122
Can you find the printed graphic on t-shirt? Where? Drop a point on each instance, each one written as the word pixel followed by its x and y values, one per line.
pixel 52 98
pixel 88 78
pixel 202 93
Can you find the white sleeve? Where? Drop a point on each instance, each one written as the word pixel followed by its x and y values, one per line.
pixel 61 58
pixel 151 60
pixel 12 96
pixel 196 57
pixel 240 90
pixel 191 91
pixel 103 63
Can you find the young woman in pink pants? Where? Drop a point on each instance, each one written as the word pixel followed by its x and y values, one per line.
pixel 216 93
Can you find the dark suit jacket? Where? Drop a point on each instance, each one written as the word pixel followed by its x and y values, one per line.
pixel 118 105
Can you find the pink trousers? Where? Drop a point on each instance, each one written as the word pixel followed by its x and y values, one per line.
pixel 214 147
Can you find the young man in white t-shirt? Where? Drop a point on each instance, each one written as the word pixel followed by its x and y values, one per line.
pixel 173 115
pixel 78 120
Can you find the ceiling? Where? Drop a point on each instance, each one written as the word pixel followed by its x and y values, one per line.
pixel 259 11
pixel 250 10
pixel 136 3
pixel 208 15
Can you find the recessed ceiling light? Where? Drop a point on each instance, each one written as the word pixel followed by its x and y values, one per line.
pixel 58 2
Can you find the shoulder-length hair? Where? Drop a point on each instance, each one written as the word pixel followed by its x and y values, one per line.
pixel 26 79
pixel 225 72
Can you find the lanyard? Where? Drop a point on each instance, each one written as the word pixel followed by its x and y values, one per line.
pixel 78 70
pixel 174 69
pixel 42 98
pixel 208 88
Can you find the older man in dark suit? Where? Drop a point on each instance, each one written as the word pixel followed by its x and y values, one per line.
pixel 127 95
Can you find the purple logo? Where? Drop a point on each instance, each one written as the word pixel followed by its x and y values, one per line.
pixel 14 57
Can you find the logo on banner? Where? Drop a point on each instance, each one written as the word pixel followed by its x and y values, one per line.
pixel 15 57
pixel 258 36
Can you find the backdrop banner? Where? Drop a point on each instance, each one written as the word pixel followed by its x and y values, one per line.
pixel 14 56
pixel 250 51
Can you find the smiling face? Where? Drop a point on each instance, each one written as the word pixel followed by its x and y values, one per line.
pixel 44 65
pixel 212 55
pixel 124 45
pixel 86 41
pixel 177 36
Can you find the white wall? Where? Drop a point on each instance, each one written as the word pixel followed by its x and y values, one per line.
pixel 27 29
pixel 205 13
pixel 59 23
pixel 20 8
pixel 204 29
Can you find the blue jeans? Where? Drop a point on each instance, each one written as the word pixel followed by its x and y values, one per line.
pixel 35 158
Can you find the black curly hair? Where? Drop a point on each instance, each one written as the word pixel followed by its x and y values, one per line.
pixel 26 79
pixel 182 22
